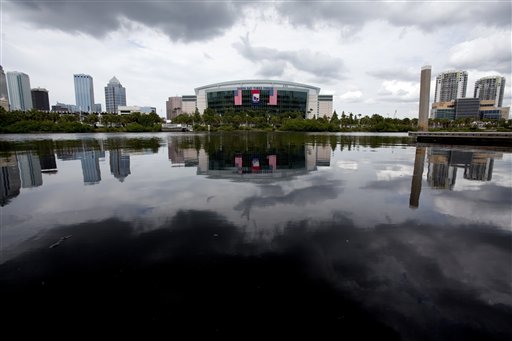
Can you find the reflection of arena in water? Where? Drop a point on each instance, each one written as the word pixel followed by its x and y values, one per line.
pixel 252 165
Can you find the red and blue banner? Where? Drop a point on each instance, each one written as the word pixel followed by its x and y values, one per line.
pixel 272 98
pixel 238 97
pixel 255 96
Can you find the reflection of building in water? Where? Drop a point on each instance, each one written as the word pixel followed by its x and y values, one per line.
pixel 481 167
pixel 323 156
pixel 417 177
pixel 119 164
pixel 90 160
pixel 183 157
pixel 443 165
pixel 269 164
pixel 10 182
pixel 48 163
pixel 440 173
pixel 30 170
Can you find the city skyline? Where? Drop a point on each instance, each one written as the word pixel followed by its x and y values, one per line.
pixel 368 58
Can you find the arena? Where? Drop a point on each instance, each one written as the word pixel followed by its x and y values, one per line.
pixel 270 96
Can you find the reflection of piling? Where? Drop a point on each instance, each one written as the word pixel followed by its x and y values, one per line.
pixel 417 177
pixel 424 97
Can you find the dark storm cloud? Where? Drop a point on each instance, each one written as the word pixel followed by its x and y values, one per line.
pixel 427 16
pixel 200 274
pixel 187 21
pixel 317 64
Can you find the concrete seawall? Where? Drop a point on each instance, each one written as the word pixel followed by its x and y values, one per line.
pixel 473 138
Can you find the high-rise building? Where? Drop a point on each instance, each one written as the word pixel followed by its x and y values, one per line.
pixel 450 86
pixel 84 92
pixel 18 87
pixel 40 99
pixel 4 96
pixel 173 107
pixel 115 95
pixel 96 107
pixel 490 88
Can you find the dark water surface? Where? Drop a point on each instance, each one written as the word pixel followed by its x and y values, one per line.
pixel 255 236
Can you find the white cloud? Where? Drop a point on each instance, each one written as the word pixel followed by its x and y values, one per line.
pixel 486 53
pixel 351 96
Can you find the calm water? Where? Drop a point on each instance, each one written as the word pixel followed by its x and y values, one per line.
pixel 256 235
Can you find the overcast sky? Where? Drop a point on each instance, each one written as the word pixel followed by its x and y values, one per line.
pixel 368 54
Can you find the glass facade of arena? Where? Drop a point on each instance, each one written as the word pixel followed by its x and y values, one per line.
pixel 287 100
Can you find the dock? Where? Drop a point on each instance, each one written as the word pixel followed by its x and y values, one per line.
pixel 473 138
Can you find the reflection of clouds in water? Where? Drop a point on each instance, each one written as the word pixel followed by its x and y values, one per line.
pixel 391 172
pixel 491 203
pixel 347 164
pixel 419 280
pixel 299 197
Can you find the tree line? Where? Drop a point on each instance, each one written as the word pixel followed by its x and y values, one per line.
pixel 41 121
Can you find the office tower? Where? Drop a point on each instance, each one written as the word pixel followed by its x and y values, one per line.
pixel 40 99
pixel 4 96
pixel 96 107
pixel 119 164
pixel 426 72
pixel 173 107
pixel 450 86
pixel 18 87
pixel 84 93
pixel 115 95
pixel 490 88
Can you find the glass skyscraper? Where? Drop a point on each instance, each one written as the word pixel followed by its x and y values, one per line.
pixel 84 93
pixel 20 95
pixel 115 95
pixel 4 96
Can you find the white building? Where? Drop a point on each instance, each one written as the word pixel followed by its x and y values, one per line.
pixel 490 88
pixel 450 86
pixel 126 110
